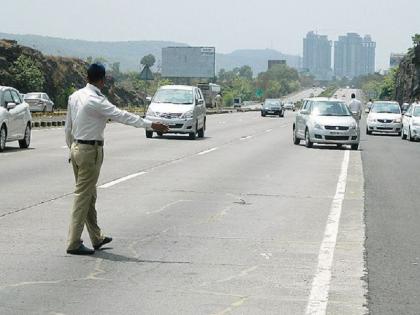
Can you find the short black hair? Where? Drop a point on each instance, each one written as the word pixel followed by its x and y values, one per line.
pixel 353 95
pixel 96 72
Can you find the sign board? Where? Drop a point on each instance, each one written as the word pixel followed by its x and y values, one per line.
pixel 189 62
pixel 146 74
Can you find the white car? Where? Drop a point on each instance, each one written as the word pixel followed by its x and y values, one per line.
pixel 181 107
pixel 411 123
pixel 39 102
pixel 326 121
pixel 384 117
pixel 15 118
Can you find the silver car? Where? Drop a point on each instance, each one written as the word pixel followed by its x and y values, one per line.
pixel 180 107
pixel 326 121
pixel 15 118
pixel 384 117
pixel 411 123
pixel 39 102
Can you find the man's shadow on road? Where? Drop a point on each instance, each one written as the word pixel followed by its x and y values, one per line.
pixel 103 254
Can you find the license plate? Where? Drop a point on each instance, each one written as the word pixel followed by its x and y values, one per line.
pixel 335 133
pixel 270 112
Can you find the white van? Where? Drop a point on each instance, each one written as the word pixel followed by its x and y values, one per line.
pixel 181 107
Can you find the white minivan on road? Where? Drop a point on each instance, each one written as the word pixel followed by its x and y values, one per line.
pixel 181 107
pixel 15 118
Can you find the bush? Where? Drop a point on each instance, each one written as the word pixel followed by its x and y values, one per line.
pixel 28 75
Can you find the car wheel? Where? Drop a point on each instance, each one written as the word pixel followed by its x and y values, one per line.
pixel 3 138
pixel 339 145
pixel 410 137
pixel 159 134
pixel 192 135
pixel 149 134
pixel 403 135
pixel 309 144
pixel 44 109
pixel 399 134
pixel 26 141
pixel 281 114
pixel 202 130
pixel 296 140
pixel 355 146
pixel 368 132
pixel 263 114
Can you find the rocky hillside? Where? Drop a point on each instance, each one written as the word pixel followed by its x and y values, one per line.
pixel 408 77
pixel 61 75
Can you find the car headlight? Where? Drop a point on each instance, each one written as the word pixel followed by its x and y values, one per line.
pixel 371 120
pixel 398 120
pixel 318 126
pixel 189 114
pixel 353 126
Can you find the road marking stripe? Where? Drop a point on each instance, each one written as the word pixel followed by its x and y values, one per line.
pixel 318 298
pixel 122 179
pixel 246 138
pixel 207 151
pixel 269 130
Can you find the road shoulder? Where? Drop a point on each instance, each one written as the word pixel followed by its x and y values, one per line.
pixel 348 289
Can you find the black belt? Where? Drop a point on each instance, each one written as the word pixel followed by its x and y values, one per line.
pixel 91 142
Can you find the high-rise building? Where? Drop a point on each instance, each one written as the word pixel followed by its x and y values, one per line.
pixel 317 56
pixel 354 56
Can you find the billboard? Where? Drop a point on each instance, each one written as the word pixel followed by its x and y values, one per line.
pixel 188 62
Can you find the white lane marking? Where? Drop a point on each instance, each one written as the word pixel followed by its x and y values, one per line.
pixel 207 151
pixel 246 138
pixel 122 179
pixel 269 130
pixel 167 206
pixel 318 299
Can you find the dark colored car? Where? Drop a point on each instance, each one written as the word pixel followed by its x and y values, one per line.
pixel 272 107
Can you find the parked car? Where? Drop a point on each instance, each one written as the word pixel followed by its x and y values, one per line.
pixel 39 102
pixel 272 107
pixel 180 107
pixel 326 121
pixel 411 123
pixel 384 117
pixel 289 106
pixel 15 118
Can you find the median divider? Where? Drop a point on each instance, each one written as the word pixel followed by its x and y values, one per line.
pixel 56 119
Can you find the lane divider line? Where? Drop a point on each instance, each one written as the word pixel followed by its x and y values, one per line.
pixel 207 151
pixel 246 138
pixel 122 179
pixel 269 130
pixel 318 299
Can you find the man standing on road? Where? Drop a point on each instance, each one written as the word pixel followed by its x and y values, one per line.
pixel 218 100
pixel 355 107
pixel 87 114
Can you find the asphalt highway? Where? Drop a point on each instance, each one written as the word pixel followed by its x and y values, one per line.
pixel 240 222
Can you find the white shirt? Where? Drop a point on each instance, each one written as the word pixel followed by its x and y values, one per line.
pixel 88 111
pixel 355 106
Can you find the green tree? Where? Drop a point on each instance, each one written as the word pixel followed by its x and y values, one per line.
pixel 416 39
pixel 246 72
pixel 28 75
pixel 148 60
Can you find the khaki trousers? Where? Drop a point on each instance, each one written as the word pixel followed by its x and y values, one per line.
pixel 87 161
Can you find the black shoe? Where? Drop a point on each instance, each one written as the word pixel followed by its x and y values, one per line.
pixel 105 241
pixel 82 250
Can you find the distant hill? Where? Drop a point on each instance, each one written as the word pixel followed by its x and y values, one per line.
pixel 129 53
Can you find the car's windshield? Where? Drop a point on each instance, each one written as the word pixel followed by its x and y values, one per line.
pixel 389 108
pixel 330 109
pixel 174 96
pixel 416 111
pixel 33 96
pixel 271 103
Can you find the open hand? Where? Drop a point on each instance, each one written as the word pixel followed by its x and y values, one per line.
pixel 159 127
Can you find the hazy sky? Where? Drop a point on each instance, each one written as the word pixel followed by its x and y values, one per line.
pixel 226 24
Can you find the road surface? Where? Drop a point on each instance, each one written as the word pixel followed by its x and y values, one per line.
pixel 240 222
